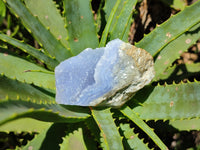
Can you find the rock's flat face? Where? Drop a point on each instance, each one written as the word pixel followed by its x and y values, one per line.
pixel 107 76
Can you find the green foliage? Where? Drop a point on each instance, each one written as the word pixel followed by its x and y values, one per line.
pixel 80 25
pixel 22 71
pixel 2 11
pixel 73 141
pixel 52 19
pixel 47 139
pixel 51 63
pixel 175 48
pixel 138 121
pixel 27 82
pixel 170 30
pixel 14 89
pixel 25 124
pixel 177 4
pixel 109 133
pixel 177 101
pixel 53 47
pixel 132 139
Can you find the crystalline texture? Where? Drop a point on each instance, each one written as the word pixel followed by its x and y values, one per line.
pixel 107 76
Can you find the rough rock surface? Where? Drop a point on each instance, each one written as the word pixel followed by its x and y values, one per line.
pixel 107 76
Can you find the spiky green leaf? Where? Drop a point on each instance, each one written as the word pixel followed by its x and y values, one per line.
pixel 108 6
pixel 110 135
pixel 15 109
pixel 127 30
pixel 93 127
pixel 51 137
pixel 175 48
pixel 25 125
pixel 20 69
pixel 2 11
pixel 108 24
pixel 187 125
pixel 89 138
pixel 51 63
pixel 171 29
pixel 50 17
pixel 177 4
pixel 122 20
pixel 74 141
pixel 53 46
pixel 177 101
pixel 119 20
pixel 139 122
pixel 17 90
pixel 134 142
pixel 80 25
pixel 180 72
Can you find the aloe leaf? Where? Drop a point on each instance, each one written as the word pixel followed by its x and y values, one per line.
pixel 175 48
pixel 17 90
pixel 122 20
pixel 41 33
pixel 108 6
pixel 110 135
pixel 80 25
pixel 187 125
pixel 195 67
pixel 2 11
pixel 180 72
pixel 176 101
pixel 15 109
pixel 93 139
pixel 92 126
pixel 108 24
pixel 119 20
pixel 168 72
pixel 74 141
pixel 89 138
pixel 177 4
pixel 51 63
pixel 139 122
pixel 127 30
pixel 25 125
pixel 171 29
pixel 16 68
pixel 36 143
pixel 134 142
pixel 51 137
pixel 51 19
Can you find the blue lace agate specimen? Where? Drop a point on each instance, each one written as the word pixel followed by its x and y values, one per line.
pixel 106 76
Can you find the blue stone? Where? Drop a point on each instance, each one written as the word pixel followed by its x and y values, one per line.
pixel 106 76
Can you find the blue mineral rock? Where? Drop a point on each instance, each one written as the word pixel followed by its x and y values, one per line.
pixel 106 76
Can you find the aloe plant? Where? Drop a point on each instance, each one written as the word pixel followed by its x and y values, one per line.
pixel 27 89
